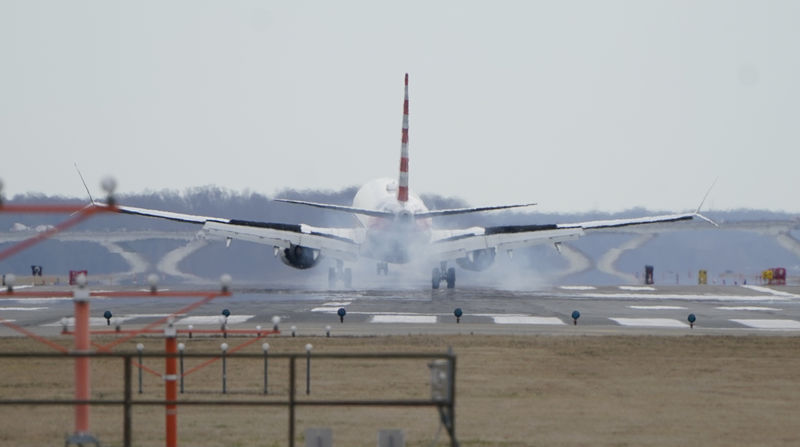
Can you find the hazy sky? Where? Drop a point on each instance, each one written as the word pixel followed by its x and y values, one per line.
pixel 577 105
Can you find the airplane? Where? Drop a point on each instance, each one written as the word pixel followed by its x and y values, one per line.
pixel 395 228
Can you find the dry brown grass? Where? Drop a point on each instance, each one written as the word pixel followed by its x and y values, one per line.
pixel 511 391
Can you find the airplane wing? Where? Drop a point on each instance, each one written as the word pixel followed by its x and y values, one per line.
pixel 339 243
pixel 454 244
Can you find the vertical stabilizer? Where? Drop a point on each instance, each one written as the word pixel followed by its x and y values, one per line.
pixel 402 184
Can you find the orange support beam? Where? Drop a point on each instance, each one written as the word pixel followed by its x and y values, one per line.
pixel 82 379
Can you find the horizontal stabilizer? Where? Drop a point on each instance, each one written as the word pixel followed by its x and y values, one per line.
pixel 347 209
pixel 451 212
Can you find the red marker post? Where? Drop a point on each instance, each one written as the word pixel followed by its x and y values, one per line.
pixel 170 381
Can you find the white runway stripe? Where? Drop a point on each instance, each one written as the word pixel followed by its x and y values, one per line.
pixel 749 308
pixel 403 319
pixel 637 288
pixel 657 307
pixel 770 324
pixel 687 297
pixel 4 309
pixel 35 300
pixel 93 321
pixel 771 291
pixel 649 322
pixel 213 319
pixel 526 319
pixel 327 310
pixel 578 287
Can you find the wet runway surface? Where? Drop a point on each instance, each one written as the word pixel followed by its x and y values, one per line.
pixel 773 310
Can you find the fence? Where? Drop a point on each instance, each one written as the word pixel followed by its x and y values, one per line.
pixel 442 381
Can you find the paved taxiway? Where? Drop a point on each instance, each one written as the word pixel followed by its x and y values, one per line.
pixel 604 310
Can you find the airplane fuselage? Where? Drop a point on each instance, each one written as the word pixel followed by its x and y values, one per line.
pixel 395 240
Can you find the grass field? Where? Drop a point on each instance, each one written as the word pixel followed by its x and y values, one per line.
pixel 511 391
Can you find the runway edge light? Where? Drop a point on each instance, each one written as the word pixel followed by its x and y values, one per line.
pixel 458 313
pixel 692 318
pixel 575 316
pixel 341 312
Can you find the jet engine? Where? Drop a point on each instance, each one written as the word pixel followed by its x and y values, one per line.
pixel 299 257
pixel 477 260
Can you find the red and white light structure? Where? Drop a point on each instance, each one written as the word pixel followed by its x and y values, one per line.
pixel 402 184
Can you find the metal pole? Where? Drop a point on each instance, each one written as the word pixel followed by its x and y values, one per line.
pixel 140 348
pixel 170 379
pixel 291 399
pixel 224 348
pixel 308 368
pixel 127 418
pixel 181 347
pixel 265 347
pixel 452 400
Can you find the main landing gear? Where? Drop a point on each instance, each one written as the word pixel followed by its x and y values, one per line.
pixel 383 267
pixel 345 275
pixel 443 274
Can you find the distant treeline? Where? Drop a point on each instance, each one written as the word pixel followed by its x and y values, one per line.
pixel 220 202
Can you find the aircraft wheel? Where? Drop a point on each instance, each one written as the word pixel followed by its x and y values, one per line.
pixel 451 278
pixel 348 278
pixel 436 278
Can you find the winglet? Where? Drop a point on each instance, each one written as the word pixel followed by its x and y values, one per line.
pixel 84 184
pixel 697 211
pixel 402 184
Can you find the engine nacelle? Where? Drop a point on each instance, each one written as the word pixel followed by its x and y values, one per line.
pixel 299 257
pixel 477 260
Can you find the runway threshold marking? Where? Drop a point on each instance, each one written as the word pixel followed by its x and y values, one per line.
pixel 649 322
pixel 770 324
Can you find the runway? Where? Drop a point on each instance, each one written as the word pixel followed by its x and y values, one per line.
pixel 617 310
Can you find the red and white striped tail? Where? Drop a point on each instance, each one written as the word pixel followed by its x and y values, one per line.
pixel 402 184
